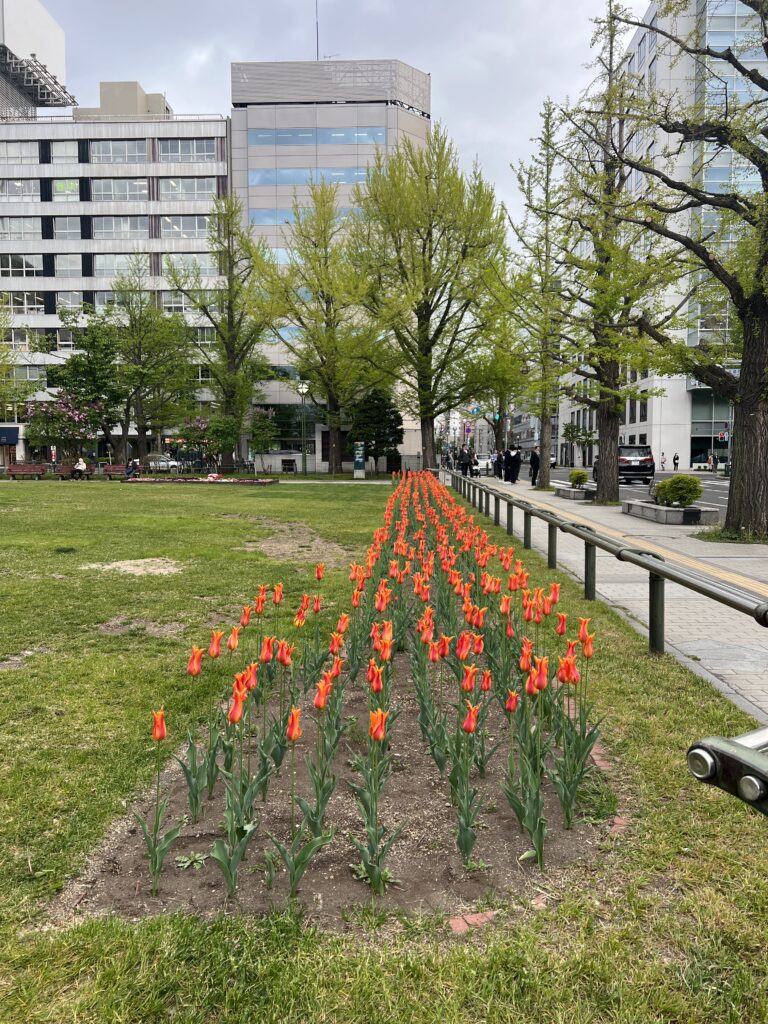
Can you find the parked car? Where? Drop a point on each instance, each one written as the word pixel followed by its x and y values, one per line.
pixel 162 463
pixel 636 462
pixel 484 464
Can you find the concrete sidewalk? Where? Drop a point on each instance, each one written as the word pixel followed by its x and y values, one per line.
pixel 726 647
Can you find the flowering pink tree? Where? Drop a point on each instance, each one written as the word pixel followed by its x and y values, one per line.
pixel 63 422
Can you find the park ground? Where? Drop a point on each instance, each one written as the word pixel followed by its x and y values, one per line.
pixel 667 922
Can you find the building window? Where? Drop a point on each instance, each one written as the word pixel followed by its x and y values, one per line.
pixel 120 227
pixel 205 262
pixel 266 217
pixel 19 229
pixel 29 373
pixel 69 300
pixel 652 75
pixel 632 438
pixel 110 264
pixel 642 439
pixel 27 339
pixel 184 151
pixel 64 340
pixel 19 153
pixel 306 175
pixel 632 410
pixel 187 188
pixel 205 336
pixel 119 190
pixel 64 152
pixel 183 226
pixel 21 266
pixel 66 227
pixel 119 151
pixel 369 136
pixel 103 299
pixel 19 190
pixel 641 44
pixel 69 266
pixel 66 190
pixel 643 412
pixel 203 374
pixel 26 302
pixel 175 302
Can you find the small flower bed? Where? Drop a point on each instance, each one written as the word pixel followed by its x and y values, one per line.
pixel 444 634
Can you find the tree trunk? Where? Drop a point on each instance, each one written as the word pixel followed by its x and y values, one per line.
pixel 748 496
pixel 545 443
pixel 608 427
pixel 428 458
pixel 334 435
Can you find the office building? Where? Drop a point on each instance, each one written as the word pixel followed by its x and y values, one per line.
pixel 297 122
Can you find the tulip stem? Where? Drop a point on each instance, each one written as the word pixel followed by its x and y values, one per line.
pixel 293 789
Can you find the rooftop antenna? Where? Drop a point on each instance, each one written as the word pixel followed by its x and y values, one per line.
pixel 317 30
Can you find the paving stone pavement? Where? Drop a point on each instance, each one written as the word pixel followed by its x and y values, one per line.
pixel 727 648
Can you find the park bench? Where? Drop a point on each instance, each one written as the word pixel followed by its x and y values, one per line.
pixel 115 471
pixel 21 469
pixel 289 465
pixel 64 472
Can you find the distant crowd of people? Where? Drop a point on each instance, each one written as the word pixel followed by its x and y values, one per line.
pixel 504 465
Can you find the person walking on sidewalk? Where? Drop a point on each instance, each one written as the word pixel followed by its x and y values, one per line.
pixel 675 461
pixel 535 464
pixel 464 460
pixel 517 459
pixel 508 466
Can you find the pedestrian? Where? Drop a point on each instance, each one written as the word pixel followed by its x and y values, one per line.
pixel 464 460
pixel 663 462
pixel 714 462
pixel 499 466
pixel 517 459
pixel 675 461
pixel 78 470
pixel 535 463
pixel 709 462
pixel 508 466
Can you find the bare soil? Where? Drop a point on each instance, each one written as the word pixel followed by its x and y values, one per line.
pixel 295 542
pixel 425 860
pixel 137 567
pixel 120 626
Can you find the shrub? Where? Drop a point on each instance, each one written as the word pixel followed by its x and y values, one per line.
pixel 578 477
pixel 682 490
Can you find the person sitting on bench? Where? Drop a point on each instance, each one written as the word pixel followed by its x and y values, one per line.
pixel 78 470
pixel 131 469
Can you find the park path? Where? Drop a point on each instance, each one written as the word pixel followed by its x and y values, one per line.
pixel 726 647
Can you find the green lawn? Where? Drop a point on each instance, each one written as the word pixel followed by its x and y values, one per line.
pixel 669 924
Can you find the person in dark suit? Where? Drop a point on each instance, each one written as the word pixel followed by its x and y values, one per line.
pixel 535 464
pixel 517 459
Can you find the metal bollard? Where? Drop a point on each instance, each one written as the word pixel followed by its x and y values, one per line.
pixel 590 571
pixel 496 510
pixel 655 613
pixel 510 506
pixel 551 546
pixel 527 517
pixel 738 766
pixel 488 504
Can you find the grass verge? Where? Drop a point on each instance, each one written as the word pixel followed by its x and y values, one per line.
pixel 670 923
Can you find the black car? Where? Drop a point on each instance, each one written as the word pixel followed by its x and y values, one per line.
pixel 636 462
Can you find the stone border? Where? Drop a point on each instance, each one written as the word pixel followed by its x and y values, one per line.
pixel 200 480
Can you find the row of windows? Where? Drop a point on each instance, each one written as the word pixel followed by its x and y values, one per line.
pixel 373 136
pixel 35 302
pixel 306 175
pixel 104 264
pixel 22 229
pixel 108 151
pixel 265 217
pixel 50 339
pixel 107 189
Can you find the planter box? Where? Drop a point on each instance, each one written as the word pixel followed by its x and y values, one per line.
pixel 695 515
pixel 574 493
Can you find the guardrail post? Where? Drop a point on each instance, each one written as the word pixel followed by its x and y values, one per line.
pixel 655 613
pixel 496 510
pixel 551 546
pixel 590 571
pixel 510 506
pixel 527 517
pixel 488 504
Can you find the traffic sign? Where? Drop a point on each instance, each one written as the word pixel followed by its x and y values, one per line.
pixel 723 435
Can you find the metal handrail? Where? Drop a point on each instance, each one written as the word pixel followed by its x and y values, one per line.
pixel 738 766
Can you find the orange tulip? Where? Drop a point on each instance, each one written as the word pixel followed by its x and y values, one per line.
pixel 479 643
pixel 528 613
pixel 258 603
pixel 277 595
pixel 193 665
pixel 158 725
pixel 385 651
pixel 510 629
pixel 343 624
pixel 562 619
pixel 377 678
pixel 583 623
pixel 505 604
pixel 525 659
pixel 371 670
pixel 252 672
pixel 234 638
pixel 267 649
pixel 322 695
pixel 444 645
pixel 486 681
pixel 293 732
pixel 284 652
pixel 235 714
pixel 542 673
pixel 317 604
pixel 355 598
pixel 568 672
pixel 377 729
pixel 434 653
pixel 245 618
pixel 554 593
pixel 512 699
pixel 319 571
pixel 240 686
pixel 571 651
pixel 336 643
pixel 530 684
pixel 336 667
pixel 469 724
pixel 215 649
pixel 300 619
pixel 588 648
pixel 468 682
pixel 463 646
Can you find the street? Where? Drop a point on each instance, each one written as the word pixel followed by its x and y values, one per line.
pixel 715 487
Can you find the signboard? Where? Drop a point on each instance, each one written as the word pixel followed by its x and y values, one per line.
pixel 359 452
pixel 723 435
pixel 53 453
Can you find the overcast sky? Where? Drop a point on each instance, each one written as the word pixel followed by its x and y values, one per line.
pixel 492 62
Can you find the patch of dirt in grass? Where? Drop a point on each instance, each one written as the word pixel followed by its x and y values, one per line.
pixel 17 660
pixel 297 543
pixel 137 567
pixel 424 860
pixel 120 626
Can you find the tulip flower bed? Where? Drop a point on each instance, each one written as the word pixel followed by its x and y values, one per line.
pixel 436 742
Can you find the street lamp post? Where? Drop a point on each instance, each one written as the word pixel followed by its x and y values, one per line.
pixel 303 387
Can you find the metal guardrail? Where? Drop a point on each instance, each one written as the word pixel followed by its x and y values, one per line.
pixel 738 766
